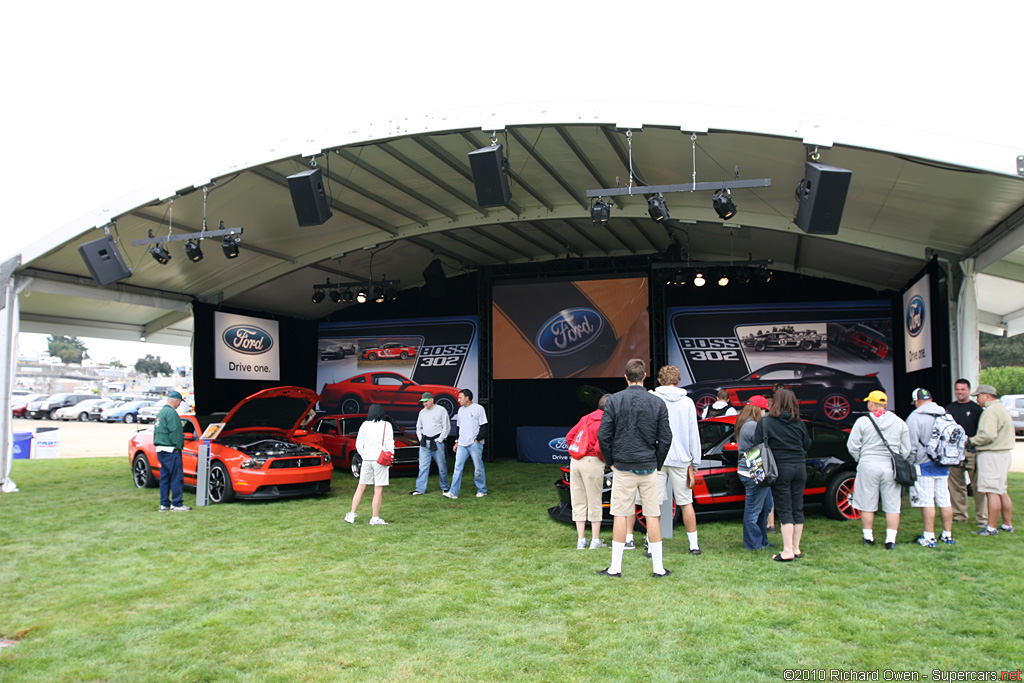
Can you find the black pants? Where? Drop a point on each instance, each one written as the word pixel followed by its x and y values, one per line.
pixel 788 491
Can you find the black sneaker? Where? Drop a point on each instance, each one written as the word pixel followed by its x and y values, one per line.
pixel 1006 529
pixel 695 551
pixel 867 541
pixel 605 572
pixel 890 545
pixel 417 493
pixel 658 576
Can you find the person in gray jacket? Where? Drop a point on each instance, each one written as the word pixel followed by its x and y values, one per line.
pixel 876 476
pixel 931 490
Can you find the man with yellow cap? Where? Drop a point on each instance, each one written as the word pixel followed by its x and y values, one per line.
pixel 875 439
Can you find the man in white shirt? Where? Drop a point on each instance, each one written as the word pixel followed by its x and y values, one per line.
pixel 470 444
pixel 432 426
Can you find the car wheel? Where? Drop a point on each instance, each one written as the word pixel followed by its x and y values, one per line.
pixel 220 484
pixel 703 401
pixel 350 405
pixel 356 464
pixel 641 520
pixel 372 356
pixel 806 345
pixel 405 356
pixel 836 407
pixel 839 496
pixel 129 418
pixel 759 346
pixel 448 403
pixel 53 413
pixel 83 417
pixel 142 474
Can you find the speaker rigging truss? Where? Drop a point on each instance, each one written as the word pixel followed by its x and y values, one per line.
pixel 642 190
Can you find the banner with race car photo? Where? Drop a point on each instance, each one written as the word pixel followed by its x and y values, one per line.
pixel 393 362
pixel 917 327
pixel 245 347
pixel 831 354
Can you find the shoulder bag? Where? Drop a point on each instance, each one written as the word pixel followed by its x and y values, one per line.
pixel 386 457
pixel 761 462
pixel 904 473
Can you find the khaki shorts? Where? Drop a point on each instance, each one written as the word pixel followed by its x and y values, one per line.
pixel 993 468
pixel 586 483
pixel 372 473
pixel 683 495
pixel 626 485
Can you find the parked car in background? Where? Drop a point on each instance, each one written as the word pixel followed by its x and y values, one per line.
pixel 393 391
pixel 125 412
pixel 719 492
pixel 1015 404
pixel 79 411
pixel 96 411
pixel 389 351
pixel 49 406
pixel 336 434
pixel 256 455
pixel 148 414
pixel 19 404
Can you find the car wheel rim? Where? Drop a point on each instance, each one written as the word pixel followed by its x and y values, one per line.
pixel 837 407
pixel 357 464
pixel 217 485
pixel 350 406
pixel 844 500
pixel 447 404
pixel 704 402
pixel 139 469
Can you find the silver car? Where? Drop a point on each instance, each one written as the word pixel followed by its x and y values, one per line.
pixel 1015 404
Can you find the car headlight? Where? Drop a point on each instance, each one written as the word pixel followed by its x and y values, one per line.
pixel 253 463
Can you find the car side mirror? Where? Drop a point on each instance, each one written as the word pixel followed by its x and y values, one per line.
pixel 755 376
pixel 190 437
pixel 301 432
pixel 731 446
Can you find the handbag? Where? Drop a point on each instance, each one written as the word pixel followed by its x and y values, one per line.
pixel 761 462
pixel 904 473
pixel 386 457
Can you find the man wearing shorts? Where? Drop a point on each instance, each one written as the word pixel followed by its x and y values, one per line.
pixel 635 437
pixel 994 444
pixel 931 490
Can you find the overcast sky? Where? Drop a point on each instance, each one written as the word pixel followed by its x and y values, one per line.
pixel 103 98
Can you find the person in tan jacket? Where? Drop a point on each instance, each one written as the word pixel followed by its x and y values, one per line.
pixel 994 443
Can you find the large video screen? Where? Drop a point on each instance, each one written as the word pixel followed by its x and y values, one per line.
pixel 578 328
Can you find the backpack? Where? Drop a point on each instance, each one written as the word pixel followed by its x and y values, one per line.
pixel 946 445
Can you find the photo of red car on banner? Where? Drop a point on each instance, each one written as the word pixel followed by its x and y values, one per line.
pixel 390 389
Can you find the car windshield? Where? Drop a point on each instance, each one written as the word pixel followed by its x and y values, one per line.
pixel 712 433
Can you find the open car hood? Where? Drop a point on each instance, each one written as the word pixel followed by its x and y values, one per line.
pixel 279 410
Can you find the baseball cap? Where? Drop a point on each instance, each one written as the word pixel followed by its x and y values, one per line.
pixel 921 395
pixel 985 389
pixel 174 394
pixel 877 396
pixel 426 397
pixel 759 401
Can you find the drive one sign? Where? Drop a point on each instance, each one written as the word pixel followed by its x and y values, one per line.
pixel 245 347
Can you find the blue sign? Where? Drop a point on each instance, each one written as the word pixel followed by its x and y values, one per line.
pixel 915 316
pixel 248 339
pixel 542 444
pixel 569 331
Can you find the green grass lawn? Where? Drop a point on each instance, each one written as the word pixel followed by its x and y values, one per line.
pixel 99 586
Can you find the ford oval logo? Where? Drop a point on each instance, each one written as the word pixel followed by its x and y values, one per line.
pixel 248 339
pixel 569 331
pixel 559 444
pixel 915 316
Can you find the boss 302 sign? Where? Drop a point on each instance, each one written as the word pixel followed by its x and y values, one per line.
pixel 245 348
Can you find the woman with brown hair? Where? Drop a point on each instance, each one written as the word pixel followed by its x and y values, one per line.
pixel 789 440
pixel 758 502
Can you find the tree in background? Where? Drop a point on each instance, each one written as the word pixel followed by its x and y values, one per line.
pixel 151 367
pixel 68 349
pixel 1001 351
pixel 117 364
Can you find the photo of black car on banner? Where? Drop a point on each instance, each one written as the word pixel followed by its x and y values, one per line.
pixel 393 362
pixel 830 354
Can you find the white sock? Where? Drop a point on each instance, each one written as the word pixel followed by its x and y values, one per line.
pixel 929 535
pixel 890 535
pixel 629 537
pixel 374 519
pixel 692 537
pixel 616 566
pixel 869 534
pixel 947 534
pixel 655 550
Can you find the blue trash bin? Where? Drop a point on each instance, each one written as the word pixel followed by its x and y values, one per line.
pixel 22 445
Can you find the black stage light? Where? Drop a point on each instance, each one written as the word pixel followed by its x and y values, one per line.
pixel 161 255
pixel 318 295
pixel 346 296
pixel 722 201
pixel 335 296
pixel 601 211
pixel 361 295
pixel 378 295
pixel 230 246
pixel 193 251
pixel 657 208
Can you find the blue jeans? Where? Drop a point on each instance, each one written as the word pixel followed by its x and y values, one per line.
pixel 172 479
pixel 756 507
pixel 474 450
pixel 437 456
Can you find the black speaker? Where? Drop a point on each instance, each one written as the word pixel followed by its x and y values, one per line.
pixel 104 261
pixel 822 196
pixel 490 177
pixel 309 198
pixel 435 280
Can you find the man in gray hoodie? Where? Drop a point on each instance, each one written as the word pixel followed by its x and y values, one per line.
pixel 931 490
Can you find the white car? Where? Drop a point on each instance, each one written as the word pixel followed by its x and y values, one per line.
pixel 1015 404
pixel 79 411
pixel 149 413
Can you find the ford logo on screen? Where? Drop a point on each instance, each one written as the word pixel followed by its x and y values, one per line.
pixel 915 316
pixel 248 339
pixel 559 444
pixel 569 331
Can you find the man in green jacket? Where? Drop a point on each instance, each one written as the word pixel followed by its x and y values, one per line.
pixel 994 443
pixel 169 439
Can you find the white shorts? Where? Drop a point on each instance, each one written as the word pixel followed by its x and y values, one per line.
pixel 683 495
pixel 930 492
pixel 373 473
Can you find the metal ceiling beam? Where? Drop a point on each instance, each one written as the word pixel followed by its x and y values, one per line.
pixel 640 190
pixel 373 197
pixel 584 160
pixel 1001 241
pixel 489 234
pixel 585 235
pixel 472 244
pixel 163 322
pixel 565 244
pixel 460 167
pixel 617 236
pixel 434 249
pixel 63 284
pixel 461 196
pixel 51 324
pixel 398 185
pixel 524 236
pixel 532 150
pixel 186 228
pixel 650 240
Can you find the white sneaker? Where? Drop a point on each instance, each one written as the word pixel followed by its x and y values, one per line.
pixel 350 517
pixel 597 543
pixel 581 544
pixel 448 494
pixel 480 495
pixel 377 521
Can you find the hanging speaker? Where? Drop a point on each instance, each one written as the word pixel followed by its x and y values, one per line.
pixel 822 196
pixel 435 280
pixel 104 261
pixel 490 177
pixel 309 198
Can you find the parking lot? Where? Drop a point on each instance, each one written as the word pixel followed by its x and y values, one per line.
pixel 84 439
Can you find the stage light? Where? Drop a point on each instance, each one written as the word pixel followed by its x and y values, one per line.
pixel 698 280
pixel 335 296
pixel 347 296
pixel 361 295
pixel 724 279
pixel 722 201
pixel 193 251
pixel 656 208
pixel 318 295
pixel 600 212
pixel 161 255
pixel 378 295
pixel 230 246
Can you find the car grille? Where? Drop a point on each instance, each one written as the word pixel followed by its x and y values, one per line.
pixel 295 462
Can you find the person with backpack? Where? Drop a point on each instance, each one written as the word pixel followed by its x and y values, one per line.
pixel 720 408
pixel 586 476
pixel 935 438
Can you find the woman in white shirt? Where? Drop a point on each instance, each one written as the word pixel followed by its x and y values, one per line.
pixel 375 435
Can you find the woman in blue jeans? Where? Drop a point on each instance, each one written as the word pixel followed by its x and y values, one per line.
pixel 759 501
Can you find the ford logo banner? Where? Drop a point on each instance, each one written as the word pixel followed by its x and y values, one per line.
pixel 559 444
pixel 569 331
pixel 915 316
pixel 248 339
